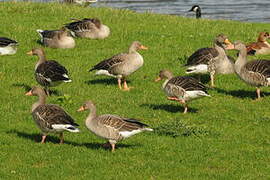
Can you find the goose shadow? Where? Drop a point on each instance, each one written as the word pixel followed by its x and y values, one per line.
pixel 241 93
pixel 109 81
pixel 169 107
pixel 36 137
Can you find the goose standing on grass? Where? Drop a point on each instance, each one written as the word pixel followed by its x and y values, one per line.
pixel 48 73
pixel 50 118
pixel 255 73
pixel 57 38
pixel 261 46
pixel 211 60
pixel 121 65
pixel 7 46
pixel 197 10
pixel 89 28
pixel 111 127
pixel 181 88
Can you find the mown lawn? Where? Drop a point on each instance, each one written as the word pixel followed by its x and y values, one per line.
pixel 222 137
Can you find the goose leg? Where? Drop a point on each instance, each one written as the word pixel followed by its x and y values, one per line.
pixel 173 98
pixel 126 88
pixel 119 83
pixel 185 105
pixel 212 79
pixel 106 145
pixel 258 91
pixel 113 147
pixel 43 138
pixel 61 135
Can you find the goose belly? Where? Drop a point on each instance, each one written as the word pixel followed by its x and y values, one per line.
pixel 7 50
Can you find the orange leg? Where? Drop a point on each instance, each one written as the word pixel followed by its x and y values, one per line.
pixel 119 83
pixel 43 139
pixel 258 91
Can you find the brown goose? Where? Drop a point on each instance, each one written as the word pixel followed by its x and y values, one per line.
pixel 261 46
pixel 89 28
pixel 56 38
pixel 255 73
pixel 111 127
pixel 50 118
pixel 181 88
pixel 211 60
pixel 48 73
pixel 121 65
pixel 7 46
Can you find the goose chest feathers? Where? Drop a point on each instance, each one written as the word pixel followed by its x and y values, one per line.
pixel 7 46
pixel 50 118
pixel 112 127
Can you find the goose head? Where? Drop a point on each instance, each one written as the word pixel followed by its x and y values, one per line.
pixel 263 36
pixel 36 52
pixel 197 10
pixel 97 22
pixel 136 45
pixel 237 45
pixel 87 105
pixel 164 74
pixel 222 41
pixel 36 91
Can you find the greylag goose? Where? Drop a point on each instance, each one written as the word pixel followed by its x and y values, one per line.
pixel 89 28
pixel 57 38
pixel 197 10
pixel 255 73
pixel 261 46
pixel 48 73
pixel 7 46
pixel 111 127
pixel 211 60
pixel 121 65
pixel 181 88
pixel 50 118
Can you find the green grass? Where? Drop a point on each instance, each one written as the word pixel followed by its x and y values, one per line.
pixel 223 137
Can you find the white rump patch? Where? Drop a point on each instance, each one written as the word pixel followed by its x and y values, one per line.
pixel 104 72
pixel 66 76
pixel 198 69
pixel 67 127
pixel 127 134
pixel 189 95
pixel 8 50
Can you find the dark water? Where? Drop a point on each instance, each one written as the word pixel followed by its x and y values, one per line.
pixel 242 10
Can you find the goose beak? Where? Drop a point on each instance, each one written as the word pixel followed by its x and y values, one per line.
pixel 143 47
pixel 81 109
pixel 157 79
pixel 30 53
pixel 29 93
pixel 230 46
pixel 227 42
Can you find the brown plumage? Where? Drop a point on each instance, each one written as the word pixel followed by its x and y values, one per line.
pixel 111 127
pixel 261 46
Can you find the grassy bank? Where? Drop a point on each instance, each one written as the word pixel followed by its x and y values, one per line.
pixel 223 137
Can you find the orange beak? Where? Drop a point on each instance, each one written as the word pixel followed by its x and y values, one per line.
pixel 29 93
pixel 81 109
pixel 30 53
pixel 157 79
pixel 143 47
pixel 227 42
pixel 230 46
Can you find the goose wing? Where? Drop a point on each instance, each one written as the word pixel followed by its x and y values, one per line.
pixel 260 67
pixel 81 25
pixel 202 56
pixel 6 41
pixel 109 63
pixel 251 48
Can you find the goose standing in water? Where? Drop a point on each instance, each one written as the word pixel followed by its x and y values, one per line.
pixel 121 65
pixel 48 73
pixel 111 127
pixel 197 10
pixel 261 46
pixel 7 46
pixel 211 60
pixel 255 73
pixel 50 118
pixel 89 28
pixel 56 38
pixel 181 88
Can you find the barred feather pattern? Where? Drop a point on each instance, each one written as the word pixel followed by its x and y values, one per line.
pixel 109 63
pixel 202 56
pixel 6 42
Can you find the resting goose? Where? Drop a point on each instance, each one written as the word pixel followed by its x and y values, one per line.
pixel 48 73
pixel 50 118
pixel 89 28
pixel 261 46
pixel 255 73
pixel 181 88
pixel 56 38
pixel 111 127
pixel 121 65
pixel 197 10
pixel 211 60
pixel 7 46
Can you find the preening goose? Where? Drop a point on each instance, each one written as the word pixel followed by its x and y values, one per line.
pixel 7 46
pixel 255 73
pixel 57 38
pixel 48 73
pixel 89 28
pixel 211 60
pixel 50 118
pixel 197 10
pixel 111 127
pixel 121 65
pixel 181 88
pixel 261 46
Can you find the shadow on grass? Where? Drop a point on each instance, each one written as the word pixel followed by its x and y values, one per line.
pixel 55 140
pixel 169 107
pixel 242 93
pixel 28 88
pixel 101 81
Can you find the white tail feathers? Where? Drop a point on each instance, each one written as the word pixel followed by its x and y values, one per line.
pixel 67 127
pixel 198 69
pixel 104 72
pixel 148 129
pixel 39 31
